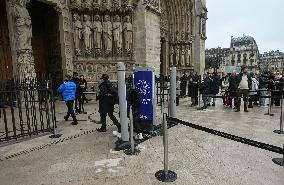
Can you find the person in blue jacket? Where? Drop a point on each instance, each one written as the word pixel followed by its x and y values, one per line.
pixel 68 89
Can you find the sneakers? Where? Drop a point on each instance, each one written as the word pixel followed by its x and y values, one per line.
pixel 74 123
pixel 101 129
pixel 213 104
pixel 237 110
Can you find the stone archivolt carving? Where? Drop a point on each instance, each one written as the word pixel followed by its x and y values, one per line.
pixel 153 5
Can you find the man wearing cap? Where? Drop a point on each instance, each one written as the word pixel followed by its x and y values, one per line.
pixel 68 89
pixel 106 103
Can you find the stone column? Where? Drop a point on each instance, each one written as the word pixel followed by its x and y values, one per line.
pixel 147 36
pixel 20 32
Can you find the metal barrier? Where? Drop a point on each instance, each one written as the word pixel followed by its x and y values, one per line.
pixel 250 142
pixel 27 109
pixel 165 175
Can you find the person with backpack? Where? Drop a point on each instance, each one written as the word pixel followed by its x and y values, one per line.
pixel 108 97
pixel 68 89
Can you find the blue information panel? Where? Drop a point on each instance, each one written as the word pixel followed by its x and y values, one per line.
pixel 144 83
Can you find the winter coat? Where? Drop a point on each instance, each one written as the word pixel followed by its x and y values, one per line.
pixel 106 103
pixel 240 77
pixel 254 86
pixel 205 86
pixel 233 87
pixel 193 87
pixel 215 85
pixel 263 82
pixel 68 89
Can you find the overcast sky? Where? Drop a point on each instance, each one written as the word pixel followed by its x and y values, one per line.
pixel 262 19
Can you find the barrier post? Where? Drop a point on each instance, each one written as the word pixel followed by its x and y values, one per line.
pixel 166 175
pixel 269 107
pixel 124 142
pixel 279 161
pixel 280 131
pixel 132 150
pixel 173 93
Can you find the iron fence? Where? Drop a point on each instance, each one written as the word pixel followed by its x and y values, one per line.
pixel 26 108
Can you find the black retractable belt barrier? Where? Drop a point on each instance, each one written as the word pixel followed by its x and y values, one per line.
pixel 250 142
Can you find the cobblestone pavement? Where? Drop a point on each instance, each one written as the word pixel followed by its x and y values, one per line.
pixel 83 156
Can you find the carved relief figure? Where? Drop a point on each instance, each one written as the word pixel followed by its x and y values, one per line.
pixel 187 56
pixel 177 55
pixel 128 35
pixel 23 26
pixel 172 54
pixel 75 4
pixel 182 53
pixel 106 4
pixel 98 29
pixel 88 39
pixel 77 34
pixel 87 4
pixel 107 35
pixel 117 34
pixel 96 3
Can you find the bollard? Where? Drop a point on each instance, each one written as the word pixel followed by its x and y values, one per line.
pixel 132 150
pixel 173 93
pixel 280 131
pixel 165 175
pixel 124 143
pixel 279 161
pixel 269 107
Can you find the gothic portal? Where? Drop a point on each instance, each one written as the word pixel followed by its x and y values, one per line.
pixel 59 37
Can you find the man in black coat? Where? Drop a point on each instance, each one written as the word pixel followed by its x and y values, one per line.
pixel 193 89
pixel 214 87
pixel 183 81
pixel 106 98
pixel 233 87
pixel 205 90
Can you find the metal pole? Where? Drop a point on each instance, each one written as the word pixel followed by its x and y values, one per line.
pixel 122 101
pixel 280 131
pixel 269 107
pixel 166 147
pixel 166 175
pixel 173 93
pixel 131 130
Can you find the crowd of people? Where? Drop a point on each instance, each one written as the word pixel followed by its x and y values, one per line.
pixel 232 87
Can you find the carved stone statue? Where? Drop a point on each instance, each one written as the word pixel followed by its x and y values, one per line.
pixel 177 49
pixel 87 4
pixel 76 4
pixel 98 29
pixel 77 34
pixel 23 26
pixel 107 35
pixel 88 39
pixel 187 56
pixel 117 34
pixel 96 3
pixel 106 4
pixel 128 35
pixel 182 53
pixel 172 54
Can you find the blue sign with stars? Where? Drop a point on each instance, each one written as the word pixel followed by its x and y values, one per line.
pixel 144 83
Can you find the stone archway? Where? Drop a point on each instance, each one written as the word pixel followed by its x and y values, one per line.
pixel 46 40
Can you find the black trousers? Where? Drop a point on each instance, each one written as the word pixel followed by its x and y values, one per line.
pixel 113 119
pixel 70 110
